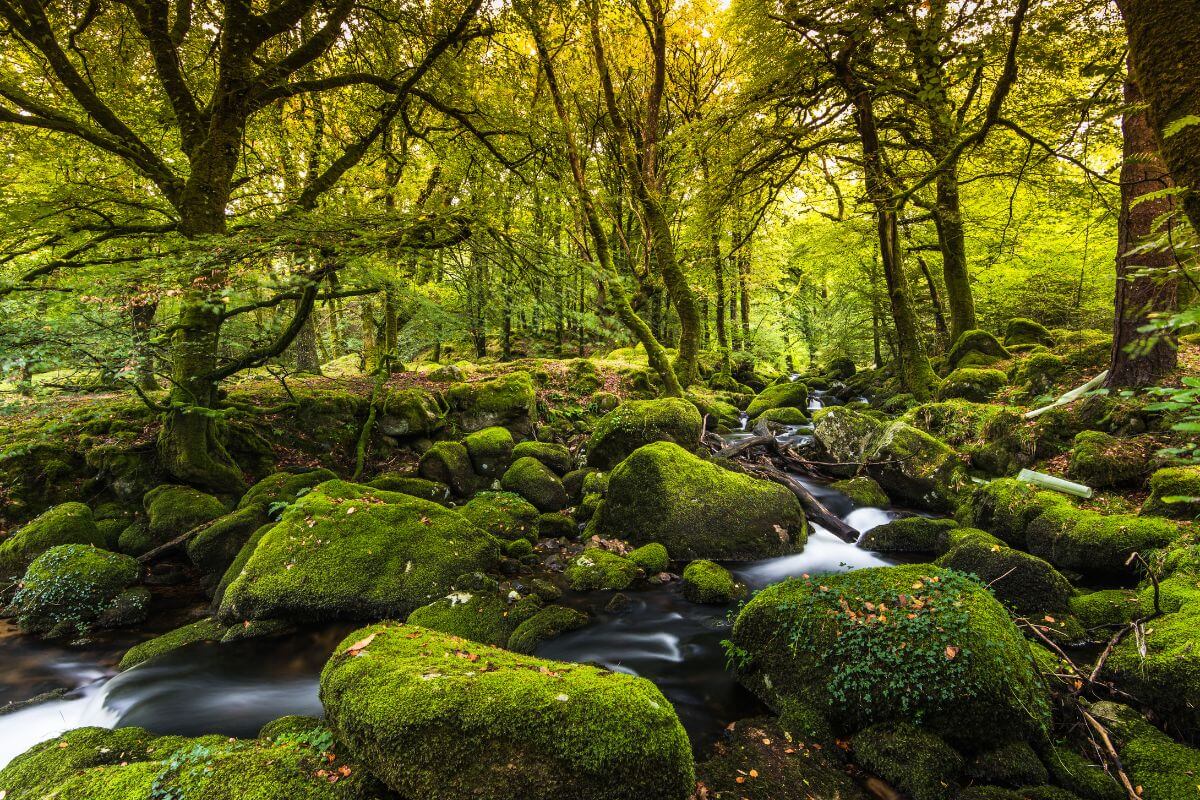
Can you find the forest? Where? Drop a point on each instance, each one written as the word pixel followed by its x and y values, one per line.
pixel 599 399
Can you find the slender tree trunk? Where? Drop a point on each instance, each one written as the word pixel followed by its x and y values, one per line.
pixel 947 217
pixel 307 360
pixel 743 264
pixel 939 319
pixel 142 318
pixel 1140 359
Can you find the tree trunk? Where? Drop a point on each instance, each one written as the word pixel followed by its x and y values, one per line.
pixel 142 318
pixel 1140 359
pixel 307 359
pixel 939 319
pixel 947 217
pixel 743 265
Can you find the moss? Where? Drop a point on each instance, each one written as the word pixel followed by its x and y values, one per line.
pixel 555 456
pixel 1102 461
pixel 67 523
pixel 214 548
pixel 478 616
pixel 918 762
pixel 573 482
pixel 557 526
pixel 1105 608
pixel 582 376
pixel 1174 493
pixel 845 434
pixel 235 569
pixel 977 342
pixel 994 438
pixel 417 487
pixel 760 760
pixel 1006 507
pixel 283 487
pixel 68 587
pixel 863 491
pixel 588 507
pixel 1012 763
pixel 439 716
pixel 792 394
pixel 534 481
pixel 505 515
pixel 1085 349
pixel 349 551
pixel 1167 676
pixel 1095 544
pixel 172 510
pixel 206 630
pixel 1039 373
pixel 491 450
pixel 973 385
pixel 257 629
pixel 408 413
pixel 910 535
pixel 651 558
pixel 707 582
pixel 1021 581
pixel 111 530
pixel 1077 774
pixel 798 642
pixel 595 483
pixel 509 400
pixel 130 607
pixel 449 463
pixel 545 624
pixel 662 493
pixel 447 373
pixel 635 423
pixel 136 539
pixel 599 569
pixel 518 549
pixel 1165 769
pixel 783 417
pixel 1020 330
pixel 840 368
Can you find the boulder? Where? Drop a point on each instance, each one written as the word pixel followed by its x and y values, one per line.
pixel 783 417
pixel 491 451
pixel 205 630
pixel 1004 508
pixel 635 423
pixel 505 515
pixel 66 523
pixel 534 481
pixel 509 400
pixel 1039 373
pixel 1095 545
pixel 840 368
pixel 172 510
pixel 790 394
pixel 345 551
pixel 1163 768
pixel 410 484
pixel 408 414
pixel 438 716
pixel 651 558
pixel 696 509
pixel 1088 780
pixel 975 342
pixel 1021 581
pixel 1025 331
pixel 972 384
pixel 1104 462
pixel 480 616
pixel 916 761
pixel 863 491
pixel 449 463
pixel 555 456
pixel 283 488
pixel 1013 763
pixel 910 535
pixel 595 568
pixel 67 590
pixel 1174 493
pixel 708 582
pixel 893 644
pixel 547 623
pixel 214 548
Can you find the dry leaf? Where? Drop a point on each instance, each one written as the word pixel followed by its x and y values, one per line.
pixel 360 645
pixel 951 651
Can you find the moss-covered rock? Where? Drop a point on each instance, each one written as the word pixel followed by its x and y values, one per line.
pixel 1005 508
pixel 865 492
pixel 1083 349
pixel 1013 763
pixel 547 623
pixel 573 481
pixel 910 535
pixel 1019 580
pixel 409 484
pixel 662 493
pixel 505 515
pixel 651 558
pixel 595 568
pixel 438 716
pixel 172 510
pixel 1088 780
pixel 907 643
pixel 66 523
pixel 1020 330
pixel 478 616
pixel 1167 676
pixel 635 423
pixel 974 385
pixel 214 548
pixel 974 342
pixel 840 368
pixel 1039 373
pixel 708 582
pixel 1102 461
pixel 555 456
pixel 509 400
pixel 790 394
pixel 1163 768
pixel 994 438
pixel 1094 544
pixel 408 413
pixel 348 551
pixel 1174 493
pixel 491 450
pixel 916 761
pixel 846 434
pixel 783 417
pixel 67 588
pixel 205 630
pixel 557 525
pixel 283 487
pixel 133 764
pixel 534 481
pixel 1108 607
pixel 449 463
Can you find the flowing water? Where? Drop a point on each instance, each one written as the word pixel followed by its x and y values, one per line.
pixel 234 689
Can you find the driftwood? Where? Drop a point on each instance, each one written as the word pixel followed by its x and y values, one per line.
pixel 737 448
pixel 814 508
pixel 178 541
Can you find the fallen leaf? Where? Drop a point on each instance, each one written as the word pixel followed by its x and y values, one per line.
pixel 951 651
pixel 360 645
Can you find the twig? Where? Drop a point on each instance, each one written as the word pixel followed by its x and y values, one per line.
pixel 1102 732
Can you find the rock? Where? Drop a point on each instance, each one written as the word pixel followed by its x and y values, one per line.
pixel 449 463
pixel 172 510
pixel 438 716
pixel 1012 763
pixel 707 582
pixel 783 417
pixel 840 368
pixel 214 548
pixel 911 643
pixel 408 484
pixel 915 761
pixel 283 488
pixel 1174 493
pixel 508 400
pixel 1102 461
pixel 791 394
pixel 134 764
pixel 546 624
pixel 1039 373
pixel 479 616
pixel 1025 331
pixel 595 568
pixel 205 630
pixel 994 438
pixel 67 588
pixel 447 373
pixel 845 434
pixel 582 376
pixel 66 523
pixel 1107 607
pixel 974 385
pixel 555 456
pixel 1018 579
pixel 635 423
pixel 408 414
pixel 573 482
pixel 1095 545
pixel 519 549
pixel 346 551
pixel 975 342
pixel 558 525
pixel 910 535
pixel 491 451
pixel 664 494
pixel 651 558
pixel 505 515
pixel 534 481
pixel 1077 774
pixel 1163 768
pixel 863 491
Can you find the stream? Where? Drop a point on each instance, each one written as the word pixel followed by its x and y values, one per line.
pixel 233 689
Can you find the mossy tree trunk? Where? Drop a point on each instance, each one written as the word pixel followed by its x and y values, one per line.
pixel 1140 359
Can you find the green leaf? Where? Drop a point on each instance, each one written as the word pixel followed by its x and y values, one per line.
pixel 1176 126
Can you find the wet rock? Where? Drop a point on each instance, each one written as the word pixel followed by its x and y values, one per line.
pixel 635 423
pixel 67 590
pixel 708 582
pixel 67 523
pixel 534 481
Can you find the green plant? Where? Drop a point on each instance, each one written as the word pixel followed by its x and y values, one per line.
pixel 197 755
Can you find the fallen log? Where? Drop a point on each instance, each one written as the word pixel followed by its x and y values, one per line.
pixel 813 508
pixel 739 447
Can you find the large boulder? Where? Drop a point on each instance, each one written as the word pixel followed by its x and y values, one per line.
pixel 72 588
pixel 214 548
pixel 1104 462
pixel 505 515
pixel 639 422
pixel 555 456
pixel 281 488
pixel 449 463
pixel 172 510
pixel 975 348
pixel 1160 767
pixel 345 551
pixel 1175 493
pixel 909 643
pixel 662 493
pixel 509 400
pixel 408 413
pixel 1096 545
pixel 789 394
pixel 973 384
pixel 1021 581
pixel 491 450
pixel 67 523
pixel 1005 507
pixel 534 481
pixel 1022 331
pixel 442 717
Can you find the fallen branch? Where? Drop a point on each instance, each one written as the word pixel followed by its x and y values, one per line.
pixel 813 508
pixel 1111 751
pixel 166 547
pixel 737 448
